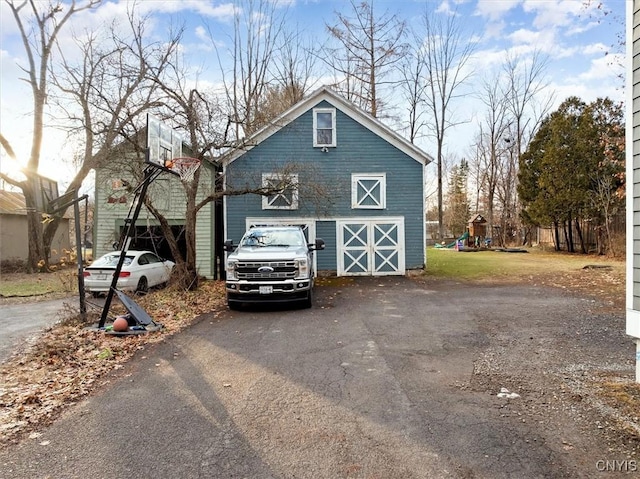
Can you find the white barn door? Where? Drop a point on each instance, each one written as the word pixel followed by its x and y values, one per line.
pixel 370 247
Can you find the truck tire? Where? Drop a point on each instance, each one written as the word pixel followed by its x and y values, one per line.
pixel 308 301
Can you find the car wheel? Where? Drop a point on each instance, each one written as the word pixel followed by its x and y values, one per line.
pixel 95 294
pixel 143 286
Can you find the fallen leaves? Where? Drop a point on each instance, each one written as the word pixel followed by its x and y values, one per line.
pixel 69 361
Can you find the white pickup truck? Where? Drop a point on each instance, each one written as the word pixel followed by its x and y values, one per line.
pixel 271 264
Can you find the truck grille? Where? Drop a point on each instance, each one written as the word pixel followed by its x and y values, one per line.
pixel 281 270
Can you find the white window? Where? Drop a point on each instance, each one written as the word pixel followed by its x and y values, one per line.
pixel 369 191
pixel 285 191
pixel 324 127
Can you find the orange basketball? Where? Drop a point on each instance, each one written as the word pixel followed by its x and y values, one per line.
pixel 121 324
pixel 169 164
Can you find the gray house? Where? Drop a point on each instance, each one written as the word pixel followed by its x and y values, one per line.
pixel 633 176
pixel 350 180
pixel 14 237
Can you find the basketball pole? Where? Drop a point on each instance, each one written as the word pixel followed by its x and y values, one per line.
pixel 149 175
pixel 79 260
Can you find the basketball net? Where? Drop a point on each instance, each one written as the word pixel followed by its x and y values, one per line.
pixel 185 168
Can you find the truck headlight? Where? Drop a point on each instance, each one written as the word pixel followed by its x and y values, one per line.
pixel 302 266
pixel 231 270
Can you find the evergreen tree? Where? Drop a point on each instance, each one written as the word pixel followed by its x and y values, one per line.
pixel 458 207
pixel 572 147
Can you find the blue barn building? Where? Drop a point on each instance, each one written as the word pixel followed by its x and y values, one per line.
pixel 343 176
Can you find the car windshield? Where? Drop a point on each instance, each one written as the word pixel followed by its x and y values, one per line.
pixel 271 237
pixel 111 260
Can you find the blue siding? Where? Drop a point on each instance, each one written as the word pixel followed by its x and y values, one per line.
pixel 327 258
pixel 358 151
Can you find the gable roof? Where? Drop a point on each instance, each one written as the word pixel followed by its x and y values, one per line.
pixel 345 106
pixel 13 203
pixel 477 219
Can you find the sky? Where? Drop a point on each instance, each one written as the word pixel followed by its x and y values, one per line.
pixel 581 41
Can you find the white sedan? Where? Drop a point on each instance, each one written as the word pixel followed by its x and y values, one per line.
pixel 141 270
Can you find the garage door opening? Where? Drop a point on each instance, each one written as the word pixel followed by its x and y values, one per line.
pixel 151 238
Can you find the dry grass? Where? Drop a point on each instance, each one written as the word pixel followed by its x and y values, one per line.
pixel 69 361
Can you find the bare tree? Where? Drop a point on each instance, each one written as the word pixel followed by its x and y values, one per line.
pixel 528 103
pixel 447 51
pixel 368 49
pixel 493 141
pixel 294 66
pixel 413 89
pixel 259 26
pixel 39 26
pixel 101 99
pixel 291 76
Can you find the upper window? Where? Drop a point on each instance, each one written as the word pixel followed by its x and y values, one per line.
pixel 324 127
pixel 368 191
pixel 285 191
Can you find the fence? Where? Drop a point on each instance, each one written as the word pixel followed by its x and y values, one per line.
pixel 590 234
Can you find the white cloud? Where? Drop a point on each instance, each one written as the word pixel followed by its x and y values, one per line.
pixel 603 68
pixel 558 13
pixel 202 33
pixel 495 10
pixel 525 36
pixel 494 30
pixel 595 49
pixel 221 12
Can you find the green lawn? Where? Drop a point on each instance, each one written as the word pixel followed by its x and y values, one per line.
pixel 441 263
pixel 37 284
pixel 493 264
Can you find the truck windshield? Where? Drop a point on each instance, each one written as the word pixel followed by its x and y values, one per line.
pixel 272 237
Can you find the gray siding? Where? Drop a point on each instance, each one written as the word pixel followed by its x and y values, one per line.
pixel 358 151
pixel 636 153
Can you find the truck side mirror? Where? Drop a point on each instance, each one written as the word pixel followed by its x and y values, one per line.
pixel 228 245
pixel 319 244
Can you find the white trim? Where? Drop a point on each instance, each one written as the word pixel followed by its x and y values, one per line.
pixel 267 201
pixel 334 131
pixel 224 210
pixel 632 316
pixel 370 249
pixel 633 323
pixel 424 217
pixel 356 202
pixel 346 107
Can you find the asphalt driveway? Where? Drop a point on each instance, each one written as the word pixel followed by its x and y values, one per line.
pixel 18 322
pixel 383 378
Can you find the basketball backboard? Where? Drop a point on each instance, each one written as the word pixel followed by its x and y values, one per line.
pixel 163 142
pixel 45 190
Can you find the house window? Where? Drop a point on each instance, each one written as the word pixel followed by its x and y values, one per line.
pixel 285 191
pixel 369 191
pixel 324 127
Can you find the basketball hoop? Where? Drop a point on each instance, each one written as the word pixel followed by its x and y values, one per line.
pixel 185 168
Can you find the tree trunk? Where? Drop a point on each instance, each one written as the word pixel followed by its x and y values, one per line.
pixel 580 236
pixel 568 237
pixel 556 235
pixel 191 274
pixel 37 251
pixel 440 208
pixel 600 241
